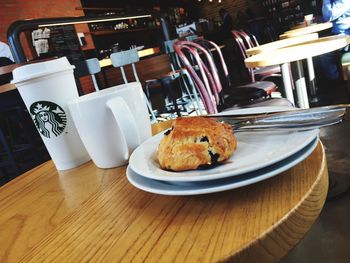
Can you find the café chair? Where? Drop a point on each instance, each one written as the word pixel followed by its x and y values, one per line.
pixel 94 67
pixel 177 79
pixel 21 147
pixel 205 75
pixel 20 144
pixel 246 41
pixel 188 90
pixel 268 86
pixel 7 158
pixel 166 84
pixel 130 57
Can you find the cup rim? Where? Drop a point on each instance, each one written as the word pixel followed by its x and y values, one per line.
pixel 105 92
pixel 36 76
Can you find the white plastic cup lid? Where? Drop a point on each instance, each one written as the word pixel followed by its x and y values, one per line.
pixel 40 69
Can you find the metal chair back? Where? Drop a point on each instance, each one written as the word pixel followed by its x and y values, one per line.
pixel 130 57
pixel 94 67
pixel 123 58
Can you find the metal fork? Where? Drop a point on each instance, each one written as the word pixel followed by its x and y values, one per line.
pixel 301 120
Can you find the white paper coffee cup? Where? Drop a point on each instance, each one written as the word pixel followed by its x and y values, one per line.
pixel 45 88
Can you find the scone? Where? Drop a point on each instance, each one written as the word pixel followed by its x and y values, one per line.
pixel 195 142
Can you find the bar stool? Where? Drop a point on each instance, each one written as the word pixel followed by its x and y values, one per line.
pixel 94 67
pixel 130 57
pixel 166 83
pixel 188 88
pixel 188 101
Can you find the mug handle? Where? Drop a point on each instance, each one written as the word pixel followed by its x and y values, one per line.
pixel 126 123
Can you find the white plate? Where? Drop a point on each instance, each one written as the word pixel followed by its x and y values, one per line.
pixel 212 186
pixel 255 110
pixel 254 151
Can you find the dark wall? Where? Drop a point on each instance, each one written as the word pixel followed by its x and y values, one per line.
pixel 132 6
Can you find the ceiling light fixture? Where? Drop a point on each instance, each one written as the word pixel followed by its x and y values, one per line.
pixel 93 20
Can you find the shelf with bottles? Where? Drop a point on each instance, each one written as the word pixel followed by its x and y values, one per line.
pixel 286 12
pixel 142 51
pixel 125 25
pixel 119 31
pixel 276 5
pixel 177 15
pixel 291 13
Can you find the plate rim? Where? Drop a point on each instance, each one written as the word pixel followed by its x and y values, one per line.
pixel 275 169
pixel 213 176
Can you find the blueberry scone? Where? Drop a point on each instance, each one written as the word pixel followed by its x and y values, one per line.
pixel 195 142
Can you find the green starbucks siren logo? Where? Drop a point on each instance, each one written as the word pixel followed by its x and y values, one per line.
pixel 49 118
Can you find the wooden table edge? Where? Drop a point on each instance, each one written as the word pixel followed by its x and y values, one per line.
pixel 298 52
pixel 278 235
pixel 282 43
pixel 7 87
pixel 306 30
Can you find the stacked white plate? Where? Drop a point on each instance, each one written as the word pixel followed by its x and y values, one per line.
pixel 259 156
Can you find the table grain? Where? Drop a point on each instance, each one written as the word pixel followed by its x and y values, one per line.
pixel 281 44
pixel 89 214
pixel 306 30
pixel 298 52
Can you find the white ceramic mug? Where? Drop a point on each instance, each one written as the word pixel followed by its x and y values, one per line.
pixel 112 123
pixel 45 88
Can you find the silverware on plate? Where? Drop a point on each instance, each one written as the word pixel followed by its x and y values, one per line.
pixel 296 119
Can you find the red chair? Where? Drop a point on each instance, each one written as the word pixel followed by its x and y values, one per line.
pixel 267 86
pixel 246 41
pixel 202 69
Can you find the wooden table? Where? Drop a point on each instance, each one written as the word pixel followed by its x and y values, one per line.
pixel 9 68
pixel 7 87
pixel 281 44
pixel 306 30
pixel 285 69
pixel 297 26
pixel 300 32
pixel 89 214
pixel 296 53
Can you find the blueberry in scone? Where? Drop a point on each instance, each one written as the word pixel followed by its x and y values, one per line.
pixel 195 142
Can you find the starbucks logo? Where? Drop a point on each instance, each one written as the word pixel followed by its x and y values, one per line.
pixel 49 118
